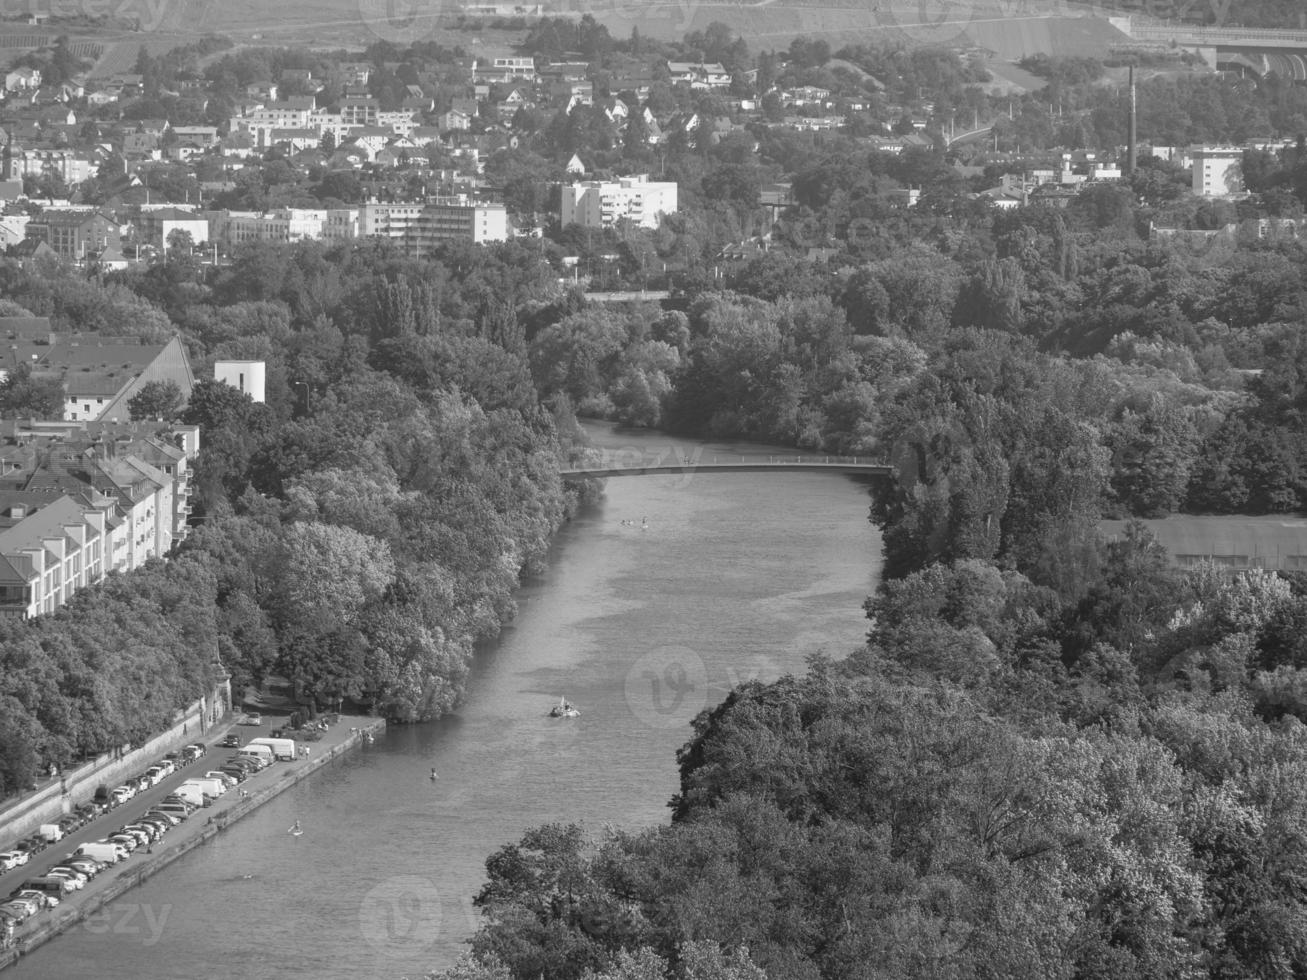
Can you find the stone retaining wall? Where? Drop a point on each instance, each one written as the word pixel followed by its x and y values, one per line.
pixel 50 803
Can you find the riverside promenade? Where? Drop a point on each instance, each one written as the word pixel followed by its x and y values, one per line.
pixel 200 827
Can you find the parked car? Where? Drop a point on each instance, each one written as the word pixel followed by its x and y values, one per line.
pixel 86 865
pixel 33 900
pixel 32 845
pixel 137 833
pixel 47 900
pixel 156 824
pixel 171 819
pixel 64 871
pixel 128 841
pixel 12 859
pixel 193 751
pixel 20 912
pixel 88 812
pixel 151 831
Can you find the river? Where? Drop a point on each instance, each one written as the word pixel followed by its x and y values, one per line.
pixel 735 576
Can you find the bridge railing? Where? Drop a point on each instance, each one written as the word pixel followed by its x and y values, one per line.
pixel 1217 35
pixel 629 460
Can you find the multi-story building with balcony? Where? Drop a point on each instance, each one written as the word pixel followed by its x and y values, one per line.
pixel 603 203
pixel 52 547
pixel 78 501
pixel 421 226
pixel 282 225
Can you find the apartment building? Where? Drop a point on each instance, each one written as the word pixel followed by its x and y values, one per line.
pixel 99 379
pixel 1217 170
pixel 421 226
pixel 602 203
pixel 72 166
pixel 154 225
pixel 78 501
pixel 506 69
pixel 282 225
pixel 700 76
pixel 51 548
pixel 73 232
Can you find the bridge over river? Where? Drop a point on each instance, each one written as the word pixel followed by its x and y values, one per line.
pixel 701 463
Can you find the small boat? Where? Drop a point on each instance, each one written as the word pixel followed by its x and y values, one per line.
pixel 563 710
pixel 295 829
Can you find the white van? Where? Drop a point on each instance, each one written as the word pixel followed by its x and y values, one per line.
pixel 209 786
pixel 192 794
pixel 51 832
pixel 282 748
pixel 103 850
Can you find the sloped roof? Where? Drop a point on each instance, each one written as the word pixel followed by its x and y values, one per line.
pixel 17 569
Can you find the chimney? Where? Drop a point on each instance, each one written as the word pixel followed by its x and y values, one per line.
pixel 1132 145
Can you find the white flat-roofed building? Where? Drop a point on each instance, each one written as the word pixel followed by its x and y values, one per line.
pixel 1217 170
pixel 247 377
pixel 602 203
pixel 420 226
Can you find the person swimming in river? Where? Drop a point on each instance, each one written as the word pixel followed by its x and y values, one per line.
pixel 434 777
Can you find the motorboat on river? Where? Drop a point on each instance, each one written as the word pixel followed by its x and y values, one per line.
pixel 564 709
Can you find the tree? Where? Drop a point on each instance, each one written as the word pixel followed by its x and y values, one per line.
pixel 217 405
pixel 25 396
pixel 157 400
pixel 181 243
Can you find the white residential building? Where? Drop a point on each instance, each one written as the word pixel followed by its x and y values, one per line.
pixel 1218 170
pixel 602 203
pixel 422 225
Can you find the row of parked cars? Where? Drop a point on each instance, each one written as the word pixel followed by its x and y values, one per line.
pixel 165 767
pixel 103 801
pixel 44 891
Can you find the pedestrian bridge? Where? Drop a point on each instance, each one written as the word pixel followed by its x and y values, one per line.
pixel 703 463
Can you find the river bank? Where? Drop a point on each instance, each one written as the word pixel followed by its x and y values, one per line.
pixel 734 577
pixel 203 826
